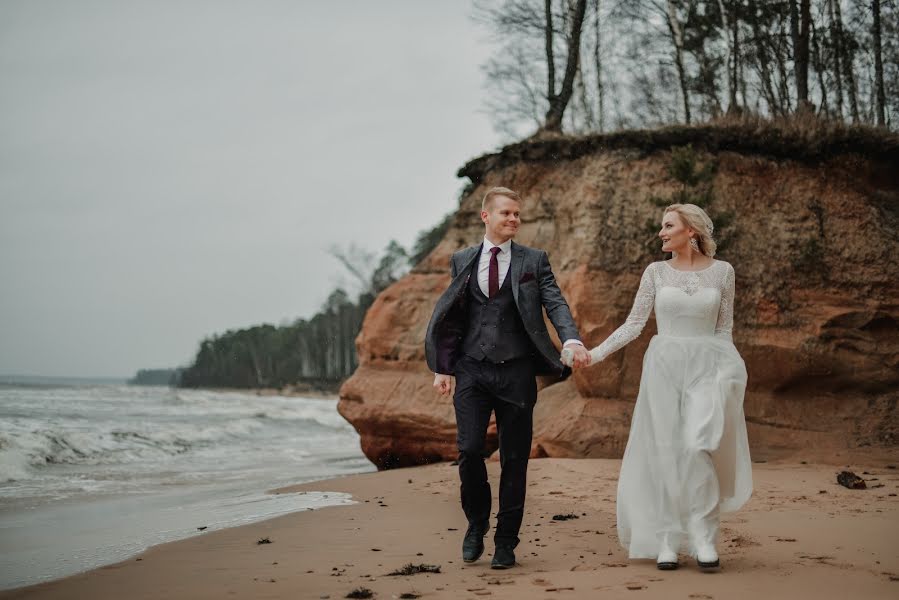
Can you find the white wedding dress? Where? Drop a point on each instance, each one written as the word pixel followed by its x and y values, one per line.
pixel 687 456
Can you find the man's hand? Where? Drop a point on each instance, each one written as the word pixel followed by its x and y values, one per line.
pixel 443 384
pixel 580 356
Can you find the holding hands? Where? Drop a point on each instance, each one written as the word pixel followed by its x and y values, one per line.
pixel 575 356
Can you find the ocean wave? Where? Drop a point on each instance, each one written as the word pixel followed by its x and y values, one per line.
pixel 145 430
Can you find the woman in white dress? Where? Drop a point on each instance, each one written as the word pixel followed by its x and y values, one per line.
pixel 687 456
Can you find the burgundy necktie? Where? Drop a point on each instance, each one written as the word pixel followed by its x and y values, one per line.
pixel 493 274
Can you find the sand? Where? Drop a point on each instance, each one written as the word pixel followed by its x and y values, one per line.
pixel 801 536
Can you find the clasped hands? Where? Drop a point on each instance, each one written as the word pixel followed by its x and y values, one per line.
pixel 575 356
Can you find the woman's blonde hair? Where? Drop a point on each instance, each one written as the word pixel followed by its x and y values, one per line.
pixel 696 219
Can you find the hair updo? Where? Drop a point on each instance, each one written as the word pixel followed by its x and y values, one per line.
pixel 696 219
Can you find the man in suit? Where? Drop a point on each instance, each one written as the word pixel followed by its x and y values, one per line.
pixel 488 332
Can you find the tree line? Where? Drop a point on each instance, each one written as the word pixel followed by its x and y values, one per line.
pixel 315 352
pixel 596 65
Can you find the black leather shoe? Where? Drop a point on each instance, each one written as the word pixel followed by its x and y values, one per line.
pixel 472 545
pixel 503 558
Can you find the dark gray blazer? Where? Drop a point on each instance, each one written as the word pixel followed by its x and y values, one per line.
pixel 533 287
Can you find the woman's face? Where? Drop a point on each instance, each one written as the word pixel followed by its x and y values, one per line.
pixel 674 234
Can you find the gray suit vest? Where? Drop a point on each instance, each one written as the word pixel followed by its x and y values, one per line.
pixel 494 331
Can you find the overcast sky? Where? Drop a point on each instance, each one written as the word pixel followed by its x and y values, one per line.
pixel 173 169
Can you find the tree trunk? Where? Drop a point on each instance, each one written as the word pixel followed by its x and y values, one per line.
pixel 880 96
pixel 819 69
pixel 558 103
pixel 846 59
pixel 762 51
pixel 600 91
pixel 739 82
pixel 550 58
pixel 799 29
pixel 677 37
pixel 585 107
pixel 783 82
pixel 837 55
pixel 730 59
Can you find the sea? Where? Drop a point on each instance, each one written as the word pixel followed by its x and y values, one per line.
pixel 93 472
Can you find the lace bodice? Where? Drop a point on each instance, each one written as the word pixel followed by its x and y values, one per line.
pixel 686 303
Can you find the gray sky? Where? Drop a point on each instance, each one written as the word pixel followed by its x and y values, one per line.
pixel 173 169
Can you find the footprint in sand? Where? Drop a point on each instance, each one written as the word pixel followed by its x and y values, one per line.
pixel 635 586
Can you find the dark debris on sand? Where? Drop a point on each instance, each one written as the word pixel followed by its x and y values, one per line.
pixel 361 593
pixel 411 569
pixel 263 541
pixel 567 517
pixel 850 480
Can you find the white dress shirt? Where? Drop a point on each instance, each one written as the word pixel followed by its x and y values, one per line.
pixel 504 260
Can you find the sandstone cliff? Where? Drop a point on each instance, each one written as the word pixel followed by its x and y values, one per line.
pixel 812 234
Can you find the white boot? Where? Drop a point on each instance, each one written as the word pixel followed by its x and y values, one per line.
pixel 707 557
pixel 667 560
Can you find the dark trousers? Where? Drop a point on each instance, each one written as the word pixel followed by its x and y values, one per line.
pixel 510 390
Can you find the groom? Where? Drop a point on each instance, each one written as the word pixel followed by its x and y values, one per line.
pixel 488 332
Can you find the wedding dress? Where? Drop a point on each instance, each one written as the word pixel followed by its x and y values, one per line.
pixel 687 455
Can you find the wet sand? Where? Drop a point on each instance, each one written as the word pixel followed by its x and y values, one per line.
pixel 800 536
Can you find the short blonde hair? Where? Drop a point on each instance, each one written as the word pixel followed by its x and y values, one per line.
pixel 498 191
pixel 696 219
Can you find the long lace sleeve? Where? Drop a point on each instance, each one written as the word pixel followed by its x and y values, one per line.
pixel 725 324
pixel 635 322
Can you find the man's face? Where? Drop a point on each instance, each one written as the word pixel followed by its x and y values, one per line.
pixel 502 218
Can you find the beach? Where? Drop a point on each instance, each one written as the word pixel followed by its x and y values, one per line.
pixel 93 474
pixel 800 536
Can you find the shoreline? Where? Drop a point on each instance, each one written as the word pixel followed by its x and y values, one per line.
pixel 287 392
pixel 801 535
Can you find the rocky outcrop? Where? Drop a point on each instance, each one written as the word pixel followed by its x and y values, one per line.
pixel 814 245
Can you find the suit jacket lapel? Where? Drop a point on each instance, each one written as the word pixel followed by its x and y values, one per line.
pixel 471 259
pixel 515 268
pixel 465 271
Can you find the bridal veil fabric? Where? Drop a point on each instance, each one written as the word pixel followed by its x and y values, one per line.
pixel 687 456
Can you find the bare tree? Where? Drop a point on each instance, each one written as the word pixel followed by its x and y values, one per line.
pixel 550 57
pixel 835 37
pixel 878 64
pixel 732 50
pixel 597 62
pixel 846 60
pixel 677 38
pixel 820 69
pixel 800 21
pixel 558 102
pixel 762 58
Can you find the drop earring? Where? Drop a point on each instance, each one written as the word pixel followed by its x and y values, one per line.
pixel 694 244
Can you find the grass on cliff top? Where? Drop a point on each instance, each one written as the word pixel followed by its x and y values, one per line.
pixel 802 138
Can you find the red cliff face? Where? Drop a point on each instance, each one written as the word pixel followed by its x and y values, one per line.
pixel 814 245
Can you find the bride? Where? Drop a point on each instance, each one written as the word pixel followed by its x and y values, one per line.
pixel 687 456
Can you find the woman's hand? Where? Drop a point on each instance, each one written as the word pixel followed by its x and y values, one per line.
pixel 575 356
